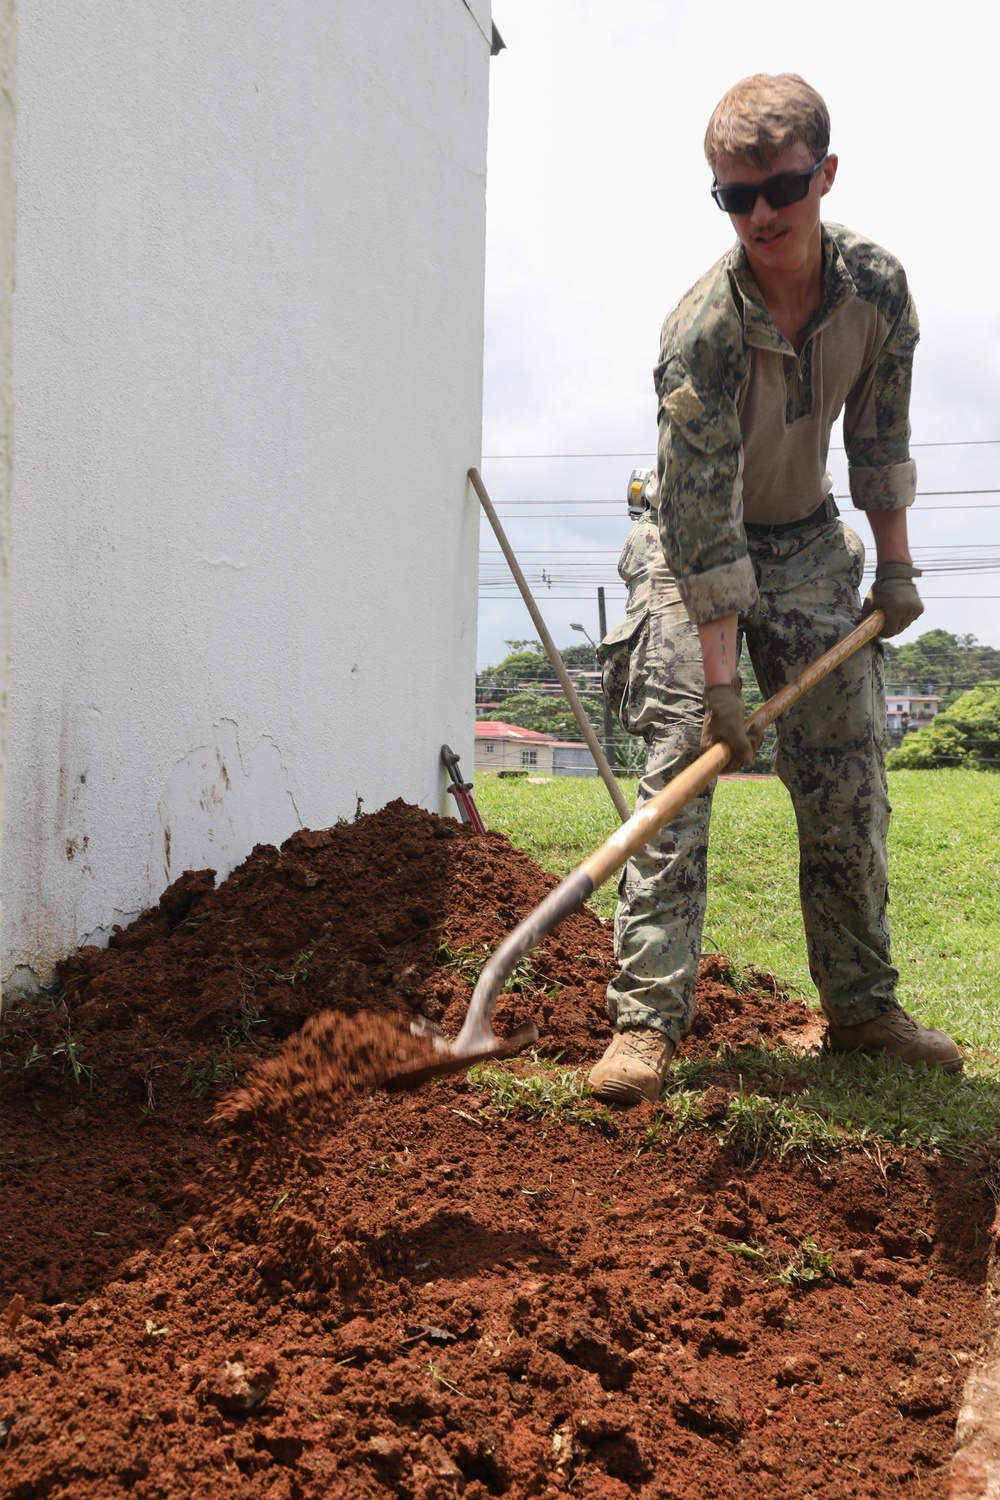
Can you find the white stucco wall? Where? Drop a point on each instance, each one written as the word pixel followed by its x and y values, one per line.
pixel 247 379
pixel 8 201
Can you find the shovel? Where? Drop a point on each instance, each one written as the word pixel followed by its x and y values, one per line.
pixel 477 1040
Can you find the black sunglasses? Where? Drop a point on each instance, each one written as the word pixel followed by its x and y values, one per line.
pixel 787 187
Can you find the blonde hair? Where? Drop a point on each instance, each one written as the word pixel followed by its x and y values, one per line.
pixel 761 115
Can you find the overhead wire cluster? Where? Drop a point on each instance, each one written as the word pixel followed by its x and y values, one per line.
pixel 566 571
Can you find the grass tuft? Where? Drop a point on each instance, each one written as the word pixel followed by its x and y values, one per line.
pixel 806 1264
pixel 65 1054
pixel 782 1104
pixel 757 1125
pixel 469 960
pixel 217 1069
pixel 550 1092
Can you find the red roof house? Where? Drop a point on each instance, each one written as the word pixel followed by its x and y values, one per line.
pixel 508 747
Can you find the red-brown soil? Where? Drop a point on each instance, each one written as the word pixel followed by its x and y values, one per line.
pixel 329 1290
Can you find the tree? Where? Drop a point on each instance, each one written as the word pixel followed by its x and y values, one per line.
pixel 945 663
pixel 985 659
pixel 579 658
pixel 550 715
pixel 527 662
pixel 934 660
pixel 966 735
pixel 630 751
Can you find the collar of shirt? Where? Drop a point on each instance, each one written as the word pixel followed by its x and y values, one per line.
pixel 758 327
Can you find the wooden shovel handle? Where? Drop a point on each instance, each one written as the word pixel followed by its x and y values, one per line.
pixel 570 894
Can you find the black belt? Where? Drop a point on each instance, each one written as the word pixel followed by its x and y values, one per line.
pixel 826 512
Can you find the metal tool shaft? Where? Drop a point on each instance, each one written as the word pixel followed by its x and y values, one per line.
pixel 558 666
pixel 570 894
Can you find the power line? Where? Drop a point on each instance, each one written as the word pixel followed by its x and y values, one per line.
pixel 837 448
pixel 846 498
pixel 566 573
pixel 606 551
pixel 589 598
pixel 618 513
pixel 570 577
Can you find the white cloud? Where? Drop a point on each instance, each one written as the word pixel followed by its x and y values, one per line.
pixel 599 218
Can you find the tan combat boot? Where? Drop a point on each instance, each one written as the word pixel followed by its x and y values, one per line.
pixel 634 1067
pixel 897 1034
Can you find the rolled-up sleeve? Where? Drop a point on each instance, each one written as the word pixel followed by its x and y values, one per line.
pixel 881 473
pixel 700 465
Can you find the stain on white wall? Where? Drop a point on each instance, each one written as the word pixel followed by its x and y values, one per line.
pixel 8 199
pixel 247 342
pixel 221 799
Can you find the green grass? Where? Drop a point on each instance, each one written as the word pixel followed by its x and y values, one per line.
pixel 469 961
pixel 806 1264
pixel 65 1054
pixel 945 920
pixel 548 1092
pixel 557 822
pixel 215 1070
pixel 784 1104
pixel 768 1102
pixel 945 907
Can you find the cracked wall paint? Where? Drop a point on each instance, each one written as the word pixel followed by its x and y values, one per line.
pixel 218 802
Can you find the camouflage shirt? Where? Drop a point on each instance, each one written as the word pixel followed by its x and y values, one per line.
pixel 643 569
pixel 745 423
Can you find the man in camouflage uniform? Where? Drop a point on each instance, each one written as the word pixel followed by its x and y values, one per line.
pixel 799 322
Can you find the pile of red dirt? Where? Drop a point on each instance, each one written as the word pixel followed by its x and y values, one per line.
pixel 327 1290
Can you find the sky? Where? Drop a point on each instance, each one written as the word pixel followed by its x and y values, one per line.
pixel 599 218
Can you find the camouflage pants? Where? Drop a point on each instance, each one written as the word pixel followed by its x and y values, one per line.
pixel 830 757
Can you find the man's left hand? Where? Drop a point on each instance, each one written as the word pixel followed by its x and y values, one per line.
pixel 894 594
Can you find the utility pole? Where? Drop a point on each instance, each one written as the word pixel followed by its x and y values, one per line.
pixel 609 728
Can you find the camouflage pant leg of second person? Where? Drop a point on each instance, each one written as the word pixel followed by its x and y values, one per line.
pixel 830 756
pixel 662 889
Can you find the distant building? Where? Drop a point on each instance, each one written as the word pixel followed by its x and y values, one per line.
pixel 907 709
pixel 508 747
pixel 572 758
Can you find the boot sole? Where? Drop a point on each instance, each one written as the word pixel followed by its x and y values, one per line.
pixel 947 1065
pixel 613 1092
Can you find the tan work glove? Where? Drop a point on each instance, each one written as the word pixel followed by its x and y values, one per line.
pixel 893 593
pixel 725 724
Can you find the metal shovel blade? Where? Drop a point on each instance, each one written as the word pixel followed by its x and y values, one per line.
pixel 451 1061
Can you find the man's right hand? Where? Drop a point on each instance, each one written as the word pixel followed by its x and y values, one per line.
pixel 725 723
